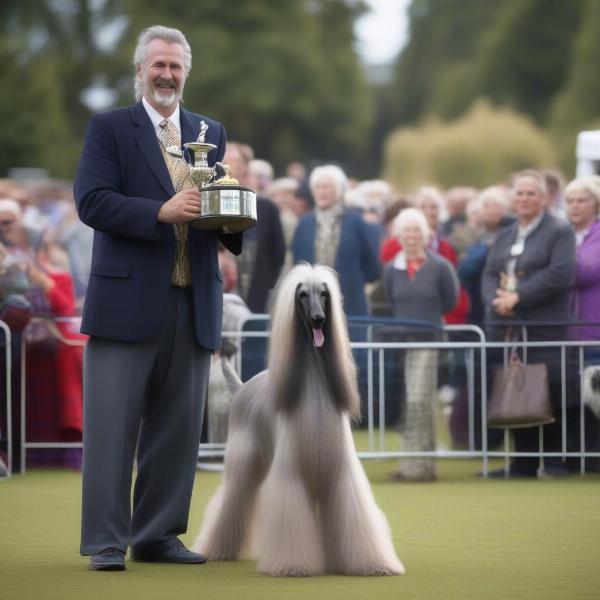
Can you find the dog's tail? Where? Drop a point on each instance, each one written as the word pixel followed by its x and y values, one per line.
pixel 231 377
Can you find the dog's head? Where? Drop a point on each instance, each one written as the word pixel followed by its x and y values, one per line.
pixel 312 303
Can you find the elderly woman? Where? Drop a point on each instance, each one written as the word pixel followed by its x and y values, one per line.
pixel 54 367
pixel 430 202
pixel 583 205
pixel 494 202
pixel 13 231
pixel 337 238
pixel 419 285
pixel 527 277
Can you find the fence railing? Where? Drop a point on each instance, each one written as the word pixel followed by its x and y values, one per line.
pixel 376 382
pixel 7 339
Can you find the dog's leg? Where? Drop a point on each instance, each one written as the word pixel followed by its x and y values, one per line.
pixel 288 539
pixel 356 533
pixel 224 531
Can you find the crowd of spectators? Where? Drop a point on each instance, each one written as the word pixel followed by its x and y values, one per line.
pixel 515 250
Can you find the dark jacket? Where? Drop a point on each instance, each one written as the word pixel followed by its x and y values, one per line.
pixel 121 182
pixel 270 254
pixel 545 271
pixel 356 259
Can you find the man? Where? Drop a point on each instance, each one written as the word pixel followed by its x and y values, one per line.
pixel 264 245
pixel 153 311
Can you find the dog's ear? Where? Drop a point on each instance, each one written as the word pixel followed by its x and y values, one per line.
pixel 287 394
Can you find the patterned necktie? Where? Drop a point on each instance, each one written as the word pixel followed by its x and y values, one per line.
pixel 178 170
pixel 169 134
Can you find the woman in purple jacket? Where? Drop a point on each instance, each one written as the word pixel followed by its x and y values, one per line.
pixel 583 205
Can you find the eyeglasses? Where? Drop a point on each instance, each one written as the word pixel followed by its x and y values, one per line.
pixel 7 222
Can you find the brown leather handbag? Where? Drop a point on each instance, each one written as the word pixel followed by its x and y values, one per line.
pixel 520 395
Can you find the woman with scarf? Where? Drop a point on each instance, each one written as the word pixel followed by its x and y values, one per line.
pixel 337 237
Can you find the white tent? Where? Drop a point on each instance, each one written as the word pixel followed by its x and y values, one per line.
pixel 588 153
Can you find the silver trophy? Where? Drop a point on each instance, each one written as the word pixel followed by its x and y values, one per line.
pixel 225 205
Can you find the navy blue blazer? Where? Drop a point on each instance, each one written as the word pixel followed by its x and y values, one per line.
pixel 121 182
pixel 356 260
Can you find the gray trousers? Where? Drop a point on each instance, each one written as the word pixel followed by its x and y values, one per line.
pixel 150 395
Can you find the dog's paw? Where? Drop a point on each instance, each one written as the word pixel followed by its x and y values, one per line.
pixel 292 572
pixel 380 571
pixel 373 570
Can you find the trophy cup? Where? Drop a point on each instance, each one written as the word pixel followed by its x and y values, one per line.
pixel 225 205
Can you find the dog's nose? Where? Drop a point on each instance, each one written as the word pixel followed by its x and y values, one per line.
pixel 318 318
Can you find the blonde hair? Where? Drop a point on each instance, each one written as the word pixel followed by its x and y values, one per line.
pixel 590 185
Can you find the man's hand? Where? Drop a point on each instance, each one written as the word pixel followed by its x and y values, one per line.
pixel 181 208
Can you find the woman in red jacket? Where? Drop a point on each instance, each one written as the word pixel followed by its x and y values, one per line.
pixel 54 358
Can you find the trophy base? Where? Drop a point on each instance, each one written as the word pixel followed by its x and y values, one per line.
pixel 228 208
pixel 226 224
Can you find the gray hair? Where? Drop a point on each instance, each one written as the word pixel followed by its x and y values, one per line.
pixel 532 174
pixel 167 34
pixel 334 174
pixel 589 185
pixel 410 216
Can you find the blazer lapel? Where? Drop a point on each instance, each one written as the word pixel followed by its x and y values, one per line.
pixel 190 128
pixel 148 144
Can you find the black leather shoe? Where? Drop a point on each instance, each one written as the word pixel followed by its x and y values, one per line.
pixel 174 552
pixel 110 559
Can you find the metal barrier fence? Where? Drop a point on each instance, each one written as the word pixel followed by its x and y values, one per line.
pixel 8 406
pixel 376 431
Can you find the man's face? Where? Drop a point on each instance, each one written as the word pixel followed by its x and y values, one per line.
pixel 528 199
pixel 163 74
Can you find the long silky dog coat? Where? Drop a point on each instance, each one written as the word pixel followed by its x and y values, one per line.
pixel 294 494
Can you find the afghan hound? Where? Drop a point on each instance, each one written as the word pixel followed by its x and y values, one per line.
pixel 294 494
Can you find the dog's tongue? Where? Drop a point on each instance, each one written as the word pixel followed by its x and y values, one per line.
pixel 318 337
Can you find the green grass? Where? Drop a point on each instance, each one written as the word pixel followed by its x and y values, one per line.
pixel 459 538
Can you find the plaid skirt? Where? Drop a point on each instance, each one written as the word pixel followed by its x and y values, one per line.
pixel 418 434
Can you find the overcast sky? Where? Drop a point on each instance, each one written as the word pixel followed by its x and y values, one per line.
pixel 382 32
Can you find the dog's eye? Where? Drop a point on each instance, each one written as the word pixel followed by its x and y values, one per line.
pixel 302 294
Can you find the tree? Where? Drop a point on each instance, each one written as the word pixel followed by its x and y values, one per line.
pixel 50 54
pixel 525 57
pixel 283 77
pixel 480 148
pixel 444 40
